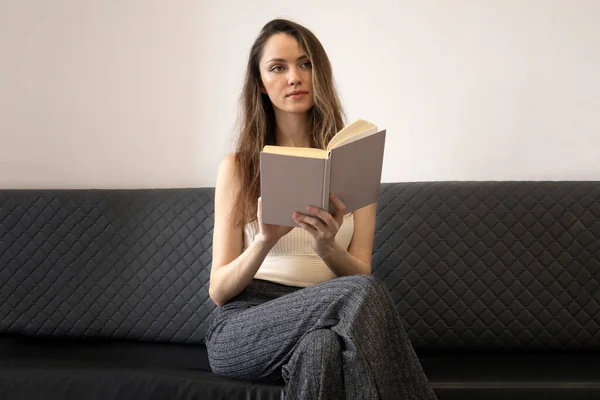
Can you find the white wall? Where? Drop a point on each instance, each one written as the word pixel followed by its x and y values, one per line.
pixel 143 93
pixel 100 93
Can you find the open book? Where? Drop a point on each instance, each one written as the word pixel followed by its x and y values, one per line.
pixel 292 178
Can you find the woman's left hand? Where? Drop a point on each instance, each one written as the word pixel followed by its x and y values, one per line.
pixel 323 227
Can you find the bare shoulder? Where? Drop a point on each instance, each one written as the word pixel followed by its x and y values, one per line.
pixel 227 166
pixel 228 184
pixel 229 159
pixel 227 237
pixel 226 175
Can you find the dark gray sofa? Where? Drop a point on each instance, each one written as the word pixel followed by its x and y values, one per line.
pixel 104 293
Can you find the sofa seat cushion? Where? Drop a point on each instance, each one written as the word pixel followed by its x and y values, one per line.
pixel 65 368
pixel 518 376
pixel 16 350
pixel 74 369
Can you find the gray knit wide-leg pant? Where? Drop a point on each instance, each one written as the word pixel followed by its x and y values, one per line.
pixel 340 339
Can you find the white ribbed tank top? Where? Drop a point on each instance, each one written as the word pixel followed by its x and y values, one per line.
pixel 292 261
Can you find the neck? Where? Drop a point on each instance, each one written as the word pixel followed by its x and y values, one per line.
pixel 291 129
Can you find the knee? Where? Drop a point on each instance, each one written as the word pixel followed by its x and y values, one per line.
pixel 366 284
pixel 322 341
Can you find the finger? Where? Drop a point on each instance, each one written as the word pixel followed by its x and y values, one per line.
pixel 259 210
pixel 307 227
pixel 340 207
pixel 313 222
pixel 321 220
pixel 326 218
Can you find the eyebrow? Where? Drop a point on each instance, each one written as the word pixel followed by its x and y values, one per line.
pixel 283 60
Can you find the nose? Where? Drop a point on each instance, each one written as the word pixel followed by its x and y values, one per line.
pixel 294 77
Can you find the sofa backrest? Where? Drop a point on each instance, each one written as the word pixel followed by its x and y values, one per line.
pixel 470 265
pixel 493 266
pixel 124 264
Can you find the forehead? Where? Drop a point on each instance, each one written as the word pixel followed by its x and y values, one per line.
pixel 283 46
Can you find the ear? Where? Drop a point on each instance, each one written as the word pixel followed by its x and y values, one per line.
pixel 262 88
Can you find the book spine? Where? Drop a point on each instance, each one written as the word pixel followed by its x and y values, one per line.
pixel 326 186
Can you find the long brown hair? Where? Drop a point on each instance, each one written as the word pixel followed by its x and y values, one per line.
pixel 257 117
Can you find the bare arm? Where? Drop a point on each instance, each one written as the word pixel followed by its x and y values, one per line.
pixel 232 267
pixel 229 280
pixel 357 259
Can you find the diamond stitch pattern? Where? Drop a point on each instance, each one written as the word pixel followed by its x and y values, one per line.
pixel 470 265
pixel 492 265
pixel 106 263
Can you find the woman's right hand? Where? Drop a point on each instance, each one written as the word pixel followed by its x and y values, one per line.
pixel 269 233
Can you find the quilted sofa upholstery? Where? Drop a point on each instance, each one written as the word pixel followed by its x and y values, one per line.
pixel 104 293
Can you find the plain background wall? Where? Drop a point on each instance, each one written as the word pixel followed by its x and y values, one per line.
pixel 143 93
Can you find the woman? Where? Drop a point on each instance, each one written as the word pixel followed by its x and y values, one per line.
pixel 299 303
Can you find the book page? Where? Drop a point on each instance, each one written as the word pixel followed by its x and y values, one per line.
pixel 296 151
pixel 359 127
pixel 356 137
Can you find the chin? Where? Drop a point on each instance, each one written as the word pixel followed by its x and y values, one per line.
pixel 295 108
pixel 298 108
pixel 299 111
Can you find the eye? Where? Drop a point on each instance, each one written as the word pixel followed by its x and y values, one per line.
pixel 306 65
pixel 277 68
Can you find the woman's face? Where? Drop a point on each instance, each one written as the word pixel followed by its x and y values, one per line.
pixel 286 73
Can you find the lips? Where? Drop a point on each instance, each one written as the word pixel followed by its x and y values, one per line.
pixel 297 92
